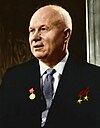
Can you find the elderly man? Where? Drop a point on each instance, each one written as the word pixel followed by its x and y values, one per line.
pixel 53 90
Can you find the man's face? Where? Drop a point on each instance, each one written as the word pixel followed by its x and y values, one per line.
pixel 46 36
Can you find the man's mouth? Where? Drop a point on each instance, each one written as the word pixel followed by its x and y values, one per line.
pixel 38 47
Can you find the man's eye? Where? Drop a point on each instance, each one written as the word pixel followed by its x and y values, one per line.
pixel 32 30
pixel 44 28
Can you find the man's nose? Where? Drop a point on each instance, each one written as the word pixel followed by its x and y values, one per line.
pixel 36 36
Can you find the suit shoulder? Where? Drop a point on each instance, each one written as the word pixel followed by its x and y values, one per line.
pixel 83 67
pixel 21 70
pixel 89 70
pixel 23 67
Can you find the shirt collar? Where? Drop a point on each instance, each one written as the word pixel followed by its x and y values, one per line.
pixel 58 67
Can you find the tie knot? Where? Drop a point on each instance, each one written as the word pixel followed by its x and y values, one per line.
pixel 50 71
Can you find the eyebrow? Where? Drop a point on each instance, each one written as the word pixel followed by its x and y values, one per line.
pixel 30 27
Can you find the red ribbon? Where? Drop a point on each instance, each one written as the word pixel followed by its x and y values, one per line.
pixel 83 92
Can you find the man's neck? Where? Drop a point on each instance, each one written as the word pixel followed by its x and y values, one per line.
pixel 52 63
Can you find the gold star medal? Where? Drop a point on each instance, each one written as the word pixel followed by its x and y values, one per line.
pixel 79 100
pixel 86 98
pixel 32 95
pixel 83 95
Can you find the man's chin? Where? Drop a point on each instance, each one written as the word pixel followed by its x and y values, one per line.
pixel 40 57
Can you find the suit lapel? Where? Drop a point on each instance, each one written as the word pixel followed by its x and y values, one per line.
pixel 65 97
pixel 63 89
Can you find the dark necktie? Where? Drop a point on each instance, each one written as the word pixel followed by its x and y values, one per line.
pixel 48 92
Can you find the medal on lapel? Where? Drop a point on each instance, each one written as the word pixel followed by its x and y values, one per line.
pixel 32 95
pixel 83 95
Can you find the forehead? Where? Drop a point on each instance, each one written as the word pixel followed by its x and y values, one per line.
pixel 44 16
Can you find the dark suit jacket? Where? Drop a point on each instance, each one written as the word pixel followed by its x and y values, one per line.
pixel 77 81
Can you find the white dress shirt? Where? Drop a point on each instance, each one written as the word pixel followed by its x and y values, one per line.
pixel 59 70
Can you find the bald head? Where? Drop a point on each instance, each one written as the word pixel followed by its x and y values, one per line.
pixel 55 12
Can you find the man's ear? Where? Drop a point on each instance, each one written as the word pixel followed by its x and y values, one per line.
pixel 67 33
